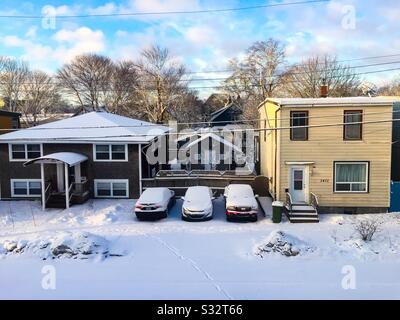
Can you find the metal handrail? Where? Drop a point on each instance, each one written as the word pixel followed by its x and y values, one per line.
pixel 289 201
pixel 81 187
pixel 47 193
pixel 314 200
pixel 70 192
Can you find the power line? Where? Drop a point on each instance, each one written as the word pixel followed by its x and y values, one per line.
pixel 220 86
pixel 304 72
pixel 128 14
pixel 208 132
pixel 153 125
pixel 157 126
pixel 224 78
pixel 320 63
pixel 297 81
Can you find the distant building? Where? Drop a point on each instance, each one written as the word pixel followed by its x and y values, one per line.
pixel 229 114
pixel 9 120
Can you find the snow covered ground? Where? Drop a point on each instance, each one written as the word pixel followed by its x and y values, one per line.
pixel 114 256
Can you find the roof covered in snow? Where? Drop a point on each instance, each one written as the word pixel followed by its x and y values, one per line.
pixel 69 158
pixel 89 127
pixel 357 101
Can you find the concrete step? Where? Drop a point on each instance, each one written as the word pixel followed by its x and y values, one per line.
pixel 304 219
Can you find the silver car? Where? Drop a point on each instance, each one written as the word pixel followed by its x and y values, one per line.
pixel 197 204
pixel 154 203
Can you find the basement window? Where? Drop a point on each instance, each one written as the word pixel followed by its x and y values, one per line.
pixel 26 188
pixel 111 188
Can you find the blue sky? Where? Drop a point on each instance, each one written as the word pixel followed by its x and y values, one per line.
pixel 203 41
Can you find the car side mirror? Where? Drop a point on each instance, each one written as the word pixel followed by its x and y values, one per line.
pixel 256 196
pixel 183 198
pixel 213 198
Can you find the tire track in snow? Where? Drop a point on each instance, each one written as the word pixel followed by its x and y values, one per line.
pixel 193 264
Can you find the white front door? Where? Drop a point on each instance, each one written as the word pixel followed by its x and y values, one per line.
pixel 298 184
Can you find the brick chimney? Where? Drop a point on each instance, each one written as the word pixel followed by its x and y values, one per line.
pixel 323 91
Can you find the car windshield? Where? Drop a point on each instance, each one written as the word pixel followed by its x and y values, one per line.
pixel 240 191
pixel 197 193
pixel 152 195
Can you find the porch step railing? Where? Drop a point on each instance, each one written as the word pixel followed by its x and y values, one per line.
pixel 302 212
pixel 47 193
pixel 314 201
pixel 81 187
pixel 70 193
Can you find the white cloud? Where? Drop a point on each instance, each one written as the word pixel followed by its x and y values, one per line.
pixel 32 32
pixel 163 5
pixel 108 8
pixel 76 42
pixel 200 35
pixel 68 44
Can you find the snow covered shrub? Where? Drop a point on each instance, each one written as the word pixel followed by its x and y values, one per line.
pixel 367 228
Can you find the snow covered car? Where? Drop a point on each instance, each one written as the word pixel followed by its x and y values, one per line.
pixel 154 203
pixel 197 204
pixel 241 202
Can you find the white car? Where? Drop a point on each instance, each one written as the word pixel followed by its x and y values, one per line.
pixel 154 203
pixel 241 202
pixel 197 204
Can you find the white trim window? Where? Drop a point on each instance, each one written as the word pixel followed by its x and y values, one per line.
pixel 24 152
pixel 26 188
pixel 111 188
pixel 351 177
pixel 110 152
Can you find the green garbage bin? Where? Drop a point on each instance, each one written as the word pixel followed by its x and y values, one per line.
pixel 277 210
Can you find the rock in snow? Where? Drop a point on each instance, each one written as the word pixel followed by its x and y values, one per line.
pixel 283 243
pixel 80 245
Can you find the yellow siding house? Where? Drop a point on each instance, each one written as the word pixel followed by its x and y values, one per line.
pixel 333 151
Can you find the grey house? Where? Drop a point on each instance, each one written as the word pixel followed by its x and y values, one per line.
pixel 207 151
pixel 93 155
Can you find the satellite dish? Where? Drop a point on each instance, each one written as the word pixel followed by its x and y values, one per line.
pixel 369 89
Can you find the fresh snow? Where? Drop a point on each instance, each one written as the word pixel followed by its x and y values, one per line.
pixel 155 195
pixel 90 127
pixel 240 195
pixel 173 259
pixel 71 158
pixel 331 100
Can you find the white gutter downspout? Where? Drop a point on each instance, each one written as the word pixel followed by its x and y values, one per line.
pixel 140 168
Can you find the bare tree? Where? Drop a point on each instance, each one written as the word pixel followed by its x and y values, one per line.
pixel 86 79
pixel 122 86
pixel 188 108
pixel 162 84
pixel 258 75
pixel 305 79
pixel 391 89
pixel 39 95
pixel 12 76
